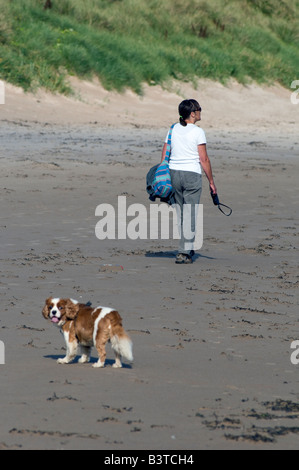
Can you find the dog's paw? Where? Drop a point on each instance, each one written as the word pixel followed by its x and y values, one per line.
pixel 98 364
pixel 117 365
pixel 63 360
pixel 83 359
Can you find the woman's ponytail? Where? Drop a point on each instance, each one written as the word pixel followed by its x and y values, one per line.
pixel 182 121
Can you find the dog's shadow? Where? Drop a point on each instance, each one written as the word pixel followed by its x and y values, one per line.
pixel 93 360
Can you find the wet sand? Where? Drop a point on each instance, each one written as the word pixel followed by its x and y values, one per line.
pixel 212 340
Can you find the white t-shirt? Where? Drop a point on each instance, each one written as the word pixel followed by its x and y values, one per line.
pixel 184 152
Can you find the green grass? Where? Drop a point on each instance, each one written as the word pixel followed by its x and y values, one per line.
pixel 126 43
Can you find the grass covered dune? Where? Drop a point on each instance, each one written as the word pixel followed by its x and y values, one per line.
pixel 128 42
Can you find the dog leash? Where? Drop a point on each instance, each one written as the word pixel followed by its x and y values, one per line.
pixel 216 201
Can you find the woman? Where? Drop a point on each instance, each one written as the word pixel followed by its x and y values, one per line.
pixel 188 156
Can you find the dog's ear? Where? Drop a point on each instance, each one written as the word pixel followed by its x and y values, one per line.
pixel 45 310
pixel 71 309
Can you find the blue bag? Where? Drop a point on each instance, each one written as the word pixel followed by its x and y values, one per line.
pixel 161 183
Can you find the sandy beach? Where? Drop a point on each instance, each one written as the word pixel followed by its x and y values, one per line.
pixel 212 341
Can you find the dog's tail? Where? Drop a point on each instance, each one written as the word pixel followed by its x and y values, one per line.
pixel 123 346
pixel 120 341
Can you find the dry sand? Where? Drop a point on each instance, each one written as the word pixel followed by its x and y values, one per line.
pixel 212 366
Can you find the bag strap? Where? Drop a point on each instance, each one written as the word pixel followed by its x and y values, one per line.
pixel 168 149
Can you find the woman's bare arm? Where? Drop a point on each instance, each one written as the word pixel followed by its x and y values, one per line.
pixel 206 165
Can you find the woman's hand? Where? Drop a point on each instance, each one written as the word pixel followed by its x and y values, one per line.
pixel 213 188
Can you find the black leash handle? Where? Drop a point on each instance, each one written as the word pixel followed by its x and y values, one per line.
pixel 218 203
pixel 227 207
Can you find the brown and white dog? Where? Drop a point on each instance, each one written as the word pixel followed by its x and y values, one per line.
pixel 85 326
